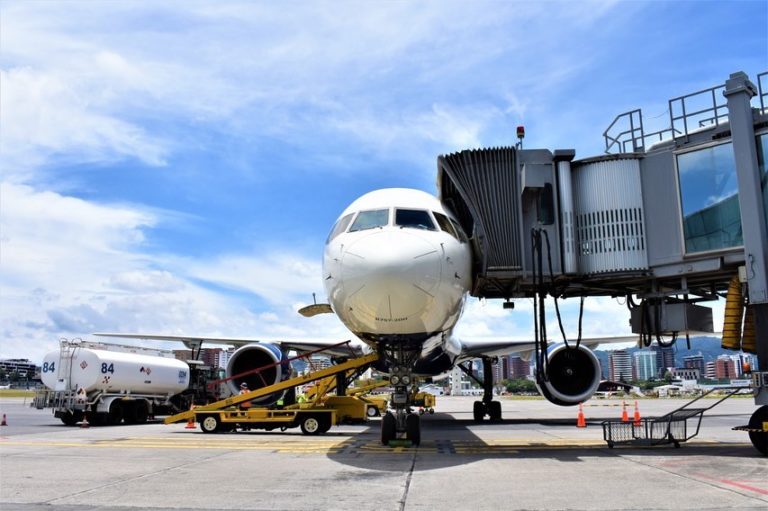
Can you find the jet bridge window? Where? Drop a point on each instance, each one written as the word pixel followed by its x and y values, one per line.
pixel 340 226
pixel 414 218
pixel 370 220
pixel 762 161
pixel 709 199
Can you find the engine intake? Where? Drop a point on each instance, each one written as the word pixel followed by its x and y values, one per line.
pixel 253 356
pixel 573 375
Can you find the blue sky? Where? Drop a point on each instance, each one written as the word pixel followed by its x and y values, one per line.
pixel 175 168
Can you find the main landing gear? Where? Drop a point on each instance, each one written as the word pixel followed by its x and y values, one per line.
pixel 487 406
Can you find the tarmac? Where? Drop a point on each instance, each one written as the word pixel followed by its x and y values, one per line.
pixel 535 458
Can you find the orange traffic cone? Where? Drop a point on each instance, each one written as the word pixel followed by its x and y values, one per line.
pixel 637 415
pixel 5 422
pixel 85 424
pixel 191 421
pixel 580 421
pixel 624 414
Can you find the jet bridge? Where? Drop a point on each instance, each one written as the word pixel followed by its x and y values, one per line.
pixel 666 219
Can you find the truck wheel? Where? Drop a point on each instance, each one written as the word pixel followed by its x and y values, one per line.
pixel 115 415
pixel 325 423
pixel 70 419
pixel 210 424
pixel 141 413
pixel 759 439
pixel 372 411
pixel 310 425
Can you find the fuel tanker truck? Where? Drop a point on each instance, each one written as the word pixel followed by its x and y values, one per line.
pixel 110 383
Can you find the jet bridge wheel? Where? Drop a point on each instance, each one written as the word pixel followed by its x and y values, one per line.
pixel 759 439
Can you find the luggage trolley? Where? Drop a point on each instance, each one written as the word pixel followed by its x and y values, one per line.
pixel 677 426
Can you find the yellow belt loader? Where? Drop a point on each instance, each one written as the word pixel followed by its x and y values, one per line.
pixel 313 417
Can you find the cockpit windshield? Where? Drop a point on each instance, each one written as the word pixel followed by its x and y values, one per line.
pixel 340 226
pixel 414 218
pixel 370 220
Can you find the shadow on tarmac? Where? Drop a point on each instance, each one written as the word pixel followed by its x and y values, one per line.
pixel 448 442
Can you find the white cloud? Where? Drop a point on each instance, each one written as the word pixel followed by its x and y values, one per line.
pixel 47 115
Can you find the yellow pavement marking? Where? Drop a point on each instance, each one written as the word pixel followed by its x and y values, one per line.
pixel 445 447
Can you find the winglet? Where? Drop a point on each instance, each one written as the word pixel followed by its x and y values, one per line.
pixel 315 309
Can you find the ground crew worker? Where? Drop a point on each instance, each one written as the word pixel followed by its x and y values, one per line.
pixel 244 390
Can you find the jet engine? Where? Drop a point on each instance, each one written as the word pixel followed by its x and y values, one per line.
pixel 253 356
pixel 573 375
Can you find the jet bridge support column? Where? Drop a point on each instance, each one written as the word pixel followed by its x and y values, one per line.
pixel 738 92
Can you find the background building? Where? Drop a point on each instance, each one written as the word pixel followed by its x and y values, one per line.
pixel 725 368
pixel 645 365
pixel 665 359
pixel 620 366
pixel 519 368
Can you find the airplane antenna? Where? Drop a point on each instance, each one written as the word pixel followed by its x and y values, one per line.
pixel 314 299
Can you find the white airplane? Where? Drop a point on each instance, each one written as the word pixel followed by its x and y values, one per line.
pixel 397 269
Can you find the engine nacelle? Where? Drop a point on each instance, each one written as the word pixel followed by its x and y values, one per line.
pixel 572 377
pixel 253 356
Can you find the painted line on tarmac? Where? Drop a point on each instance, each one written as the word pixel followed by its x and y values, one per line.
pixel 434 447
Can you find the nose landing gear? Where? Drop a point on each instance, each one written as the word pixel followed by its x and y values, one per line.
pixel 402 425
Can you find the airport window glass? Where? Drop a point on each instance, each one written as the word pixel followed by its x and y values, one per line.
pixel 445 224
pixel 370 220
pixel 709 198
pixel 340 226
pixel 762 160
pixel 415 219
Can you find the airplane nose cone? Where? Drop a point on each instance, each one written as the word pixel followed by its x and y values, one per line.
pixel 391 275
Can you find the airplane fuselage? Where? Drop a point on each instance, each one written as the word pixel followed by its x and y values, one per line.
pixel 397 267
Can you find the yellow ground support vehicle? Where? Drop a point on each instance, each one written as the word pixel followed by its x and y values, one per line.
pixel 425 401
pixel 313 417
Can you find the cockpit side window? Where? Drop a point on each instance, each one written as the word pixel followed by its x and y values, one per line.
pixel 445 224
pixel 340 226
pixel 462 235
pixel 370 220
pixel 414 218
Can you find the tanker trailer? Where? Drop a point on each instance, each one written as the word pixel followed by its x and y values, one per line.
pixel 110 384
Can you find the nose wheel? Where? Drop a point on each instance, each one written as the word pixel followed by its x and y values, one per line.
pixel 400 426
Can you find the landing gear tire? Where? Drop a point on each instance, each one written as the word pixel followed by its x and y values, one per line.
pixel 310 425
pixel 210 424
pixel 413 428
pixel 494 411
pixel 478 411
pixel 388 428
pixel 759 439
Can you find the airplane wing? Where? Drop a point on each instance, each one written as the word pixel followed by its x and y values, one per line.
pixel 494 347
pixel 334 348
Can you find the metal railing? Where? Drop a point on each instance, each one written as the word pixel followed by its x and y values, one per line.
pixel 711 115
pixel 762 93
